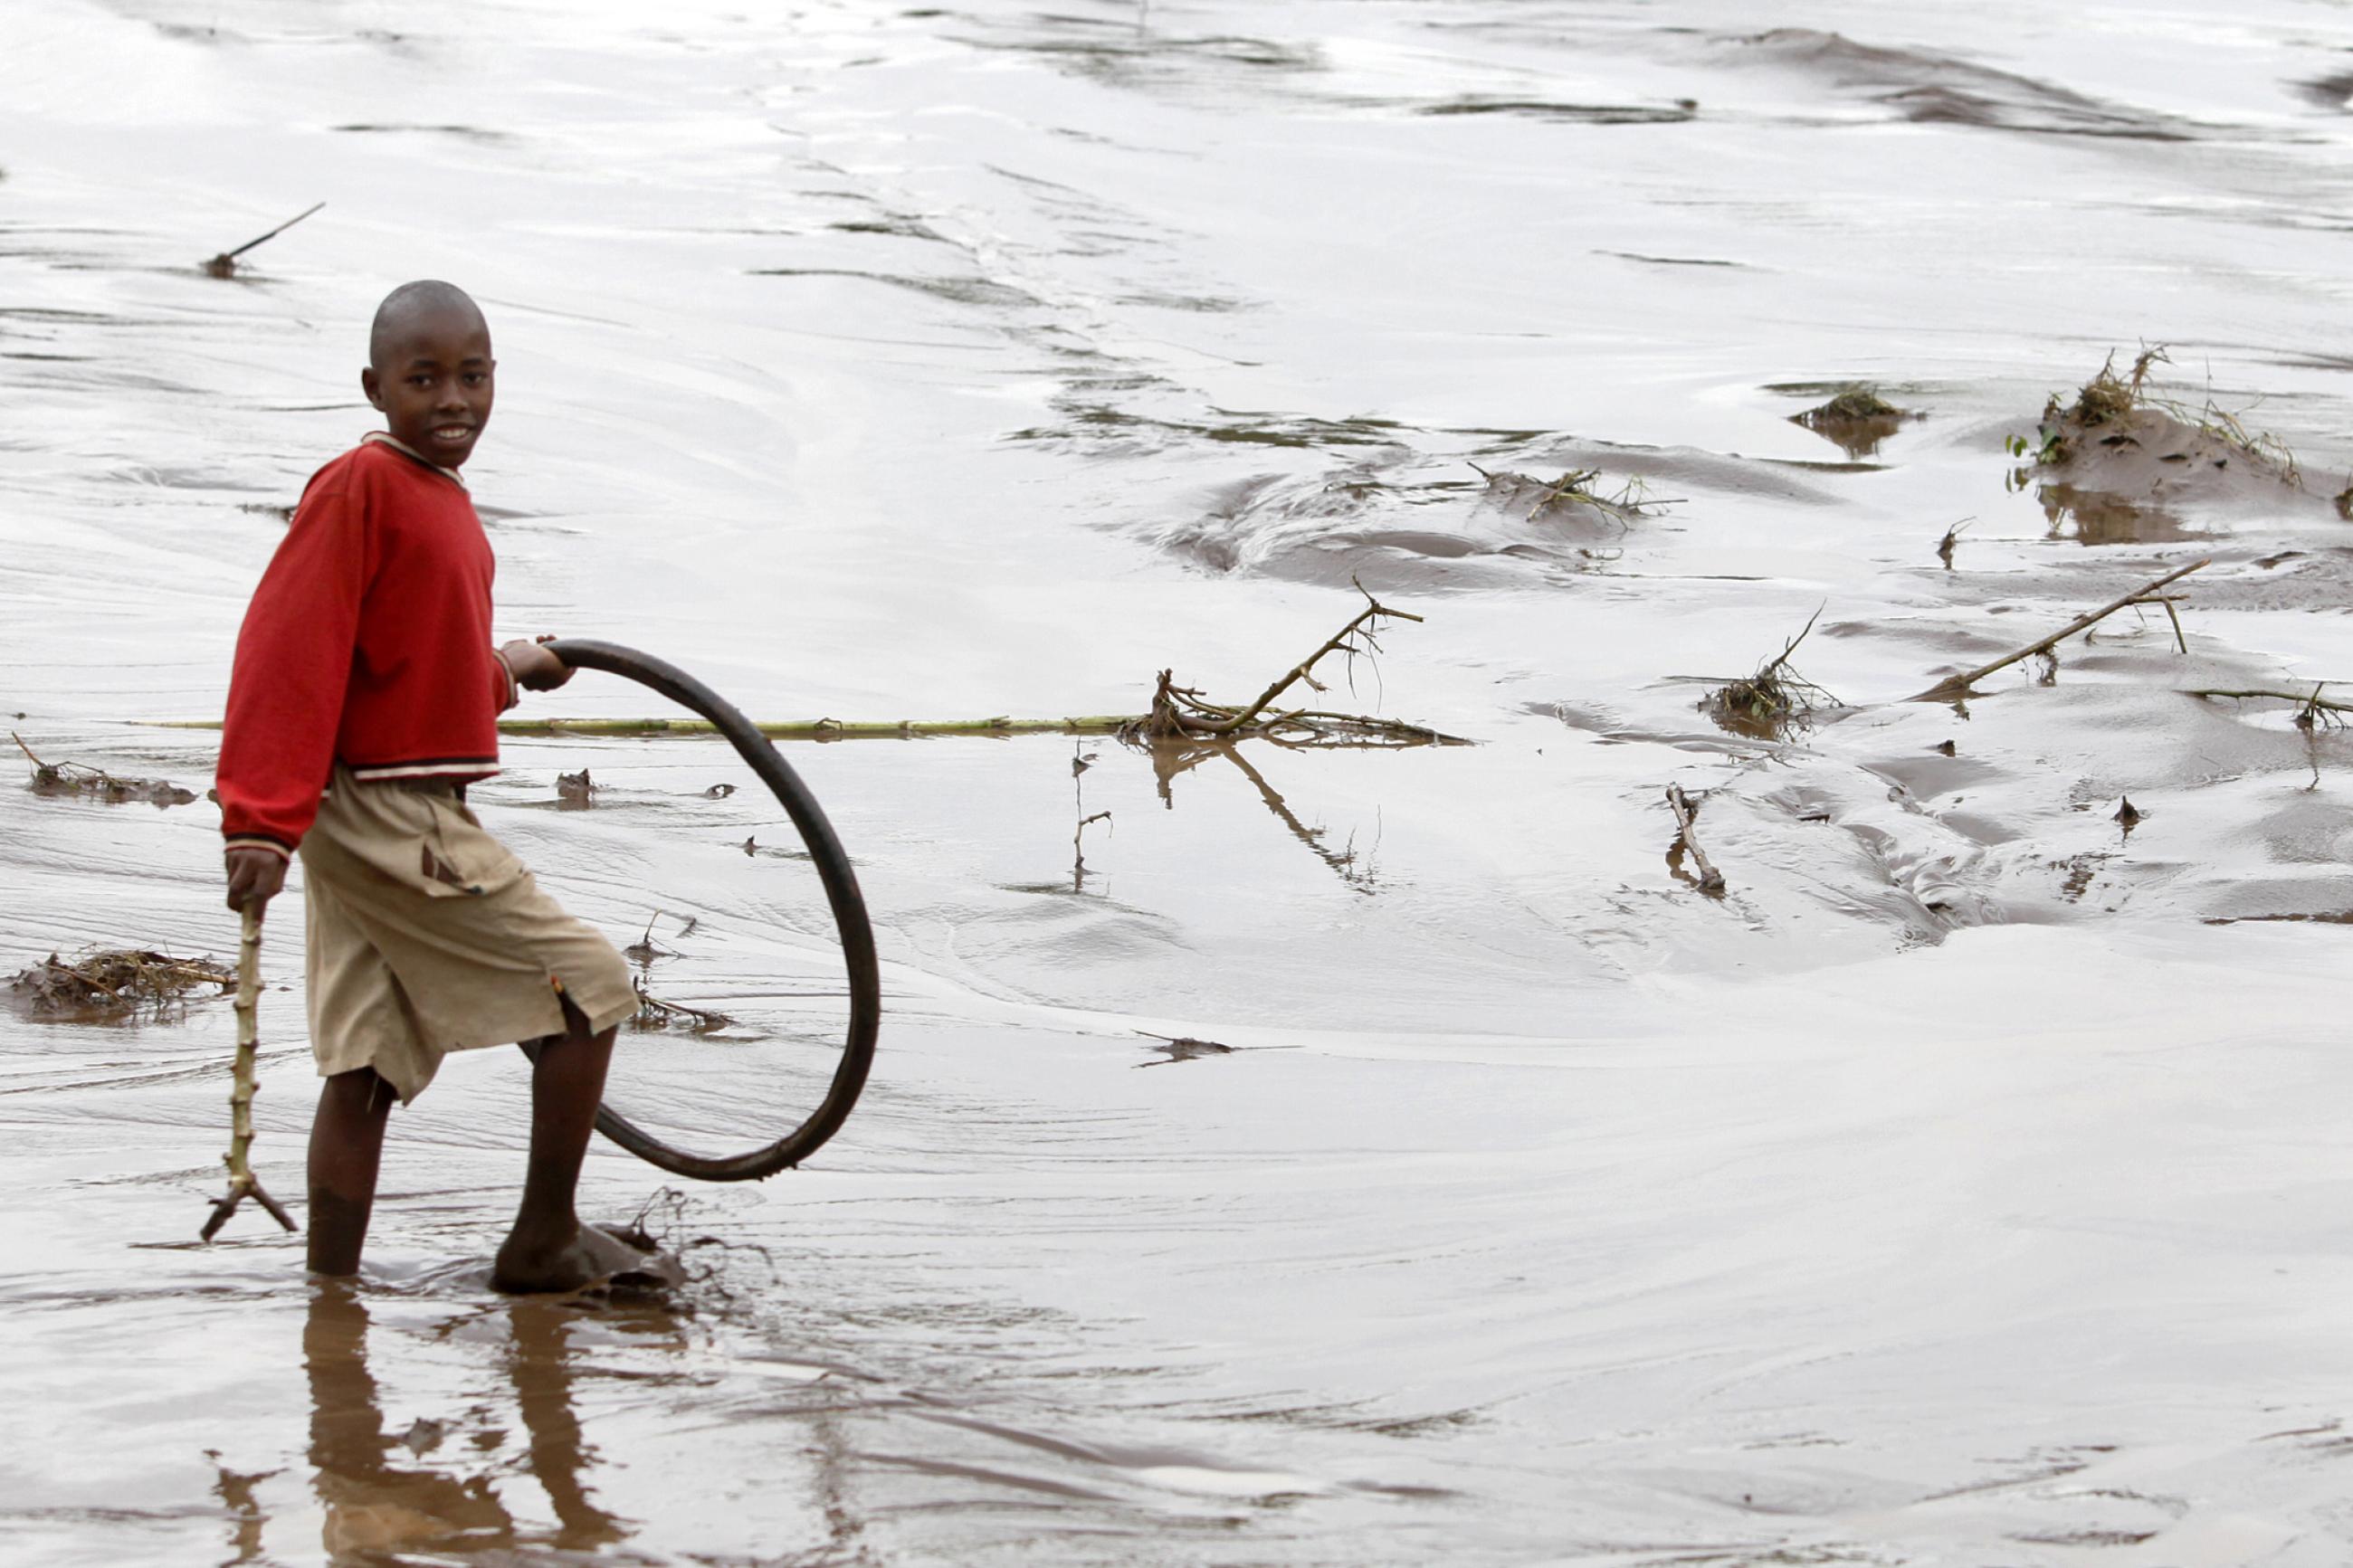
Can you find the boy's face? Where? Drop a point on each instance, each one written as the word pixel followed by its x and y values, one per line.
pixel 433 383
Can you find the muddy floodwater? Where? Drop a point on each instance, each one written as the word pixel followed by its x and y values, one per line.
pixel 1330 1155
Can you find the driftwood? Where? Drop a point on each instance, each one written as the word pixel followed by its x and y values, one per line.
pixel 783 729
pixel 2312 708
pixel 242 1183
pixel 1177 712
pixel 1959 685
pixel 1686 810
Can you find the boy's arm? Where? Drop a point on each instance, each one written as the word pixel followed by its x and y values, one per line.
pixel 286 691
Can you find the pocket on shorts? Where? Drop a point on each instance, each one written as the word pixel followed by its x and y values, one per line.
pixel 456 856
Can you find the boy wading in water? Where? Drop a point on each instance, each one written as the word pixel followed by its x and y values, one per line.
pixel 365 698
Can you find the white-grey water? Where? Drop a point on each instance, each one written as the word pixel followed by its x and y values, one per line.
pixel 1969 1185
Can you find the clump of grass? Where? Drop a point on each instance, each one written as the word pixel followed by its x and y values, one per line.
pixel 121 981
pixel 2109 400
pixel 1577 490
pixel 1769 703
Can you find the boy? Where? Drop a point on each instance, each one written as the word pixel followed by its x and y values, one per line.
pixel 365 697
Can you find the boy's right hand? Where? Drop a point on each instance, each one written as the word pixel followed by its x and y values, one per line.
pixel 254 877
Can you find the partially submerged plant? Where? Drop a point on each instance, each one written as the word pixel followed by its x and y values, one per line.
pixel 1854 401
pixel 117 980
pixel 653 1013
pixel 78 779
pixel 1181 713
pixel 1767 703
pixel 2105 404
pixel 1577 491
pixel 1855 418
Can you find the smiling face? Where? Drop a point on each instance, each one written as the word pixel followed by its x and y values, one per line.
pixel 431 375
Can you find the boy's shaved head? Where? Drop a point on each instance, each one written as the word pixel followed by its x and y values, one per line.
pixel 429 370
pixel 410 303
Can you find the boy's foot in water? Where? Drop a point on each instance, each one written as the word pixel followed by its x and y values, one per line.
pixel 593 1254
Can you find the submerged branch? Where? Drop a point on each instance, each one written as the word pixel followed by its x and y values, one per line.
pixel 1686 810
pixel 1959 685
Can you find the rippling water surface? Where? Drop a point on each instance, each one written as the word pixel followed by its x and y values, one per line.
pixel 1967 1184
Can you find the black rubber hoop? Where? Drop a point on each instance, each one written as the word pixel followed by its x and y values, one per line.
pixel 840 891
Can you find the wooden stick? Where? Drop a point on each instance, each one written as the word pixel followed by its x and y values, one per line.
pixel 2313 702
pixel 858 730
pixel 242 1183
pixel 1374 610
pixel 785 729
pixel 1710 881
pixel 1956 685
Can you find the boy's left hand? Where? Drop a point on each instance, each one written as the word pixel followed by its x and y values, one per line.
pixel 535 668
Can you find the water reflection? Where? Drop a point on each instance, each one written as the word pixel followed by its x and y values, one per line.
pixel 1171 759
pixel 380 1491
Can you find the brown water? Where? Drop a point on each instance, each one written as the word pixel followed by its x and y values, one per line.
pixel 1967 1184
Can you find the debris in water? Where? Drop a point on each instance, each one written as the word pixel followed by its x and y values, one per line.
pixel 225 264
pixel 2115 414
pixel 643 950
pixel 1959 685
pixel 719 791
pixel 2313 711
pixel 1855 420
pixel 1768 704
pixel 1686 810
pixel 1577 492
pixel 76 779
pixel 1952 537
pixel 653 1013
pixel 1182 1048
pixel 1181 713
pixel 118 981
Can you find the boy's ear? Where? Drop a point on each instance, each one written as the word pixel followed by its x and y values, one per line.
pixel 373 386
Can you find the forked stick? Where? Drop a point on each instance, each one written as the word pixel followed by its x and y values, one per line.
pixel 242 1182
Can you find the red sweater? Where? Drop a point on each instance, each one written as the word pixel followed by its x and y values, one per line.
pixel 368 643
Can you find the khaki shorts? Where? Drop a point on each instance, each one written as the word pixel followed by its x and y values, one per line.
pixel 428 936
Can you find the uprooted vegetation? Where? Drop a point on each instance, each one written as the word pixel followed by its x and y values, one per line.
pixel 1183 713
pixel 1771 702
pixel 96 784
pixel 653 1013
pixel 1577 495
pixel 117 982
pixel 2121 435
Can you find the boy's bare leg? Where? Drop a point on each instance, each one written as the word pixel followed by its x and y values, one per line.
pixel 548 1249
pixel 346 1146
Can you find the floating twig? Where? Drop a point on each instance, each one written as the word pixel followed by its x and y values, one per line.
pixel 225 264
pixel 1959 685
